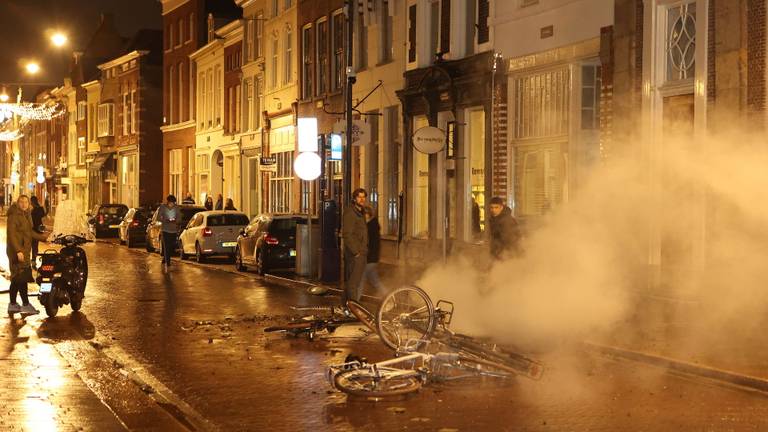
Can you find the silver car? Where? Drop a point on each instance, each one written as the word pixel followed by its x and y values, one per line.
pixel 211 233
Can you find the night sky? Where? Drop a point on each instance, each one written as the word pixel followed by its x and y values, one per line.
pixel 23 26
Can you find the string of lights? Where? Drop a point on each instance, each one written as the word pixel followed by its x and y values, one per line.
pixel 33 111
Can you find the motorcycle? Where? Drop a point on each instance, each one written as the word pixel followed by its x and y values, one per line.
pixel 62 274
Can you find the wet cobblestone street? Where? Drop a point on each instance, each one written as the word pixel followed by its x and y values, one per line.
pixel 195 337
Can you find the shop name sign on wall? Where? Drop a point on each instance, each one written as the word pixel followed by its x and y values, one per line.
pixel 429 140
pixel 268 164
pixel 361 131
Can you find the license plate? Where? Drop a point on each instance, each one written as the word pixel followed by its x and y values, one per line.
pixel 114 226
pixel 229 244
pixel 292 252
pixel 46 287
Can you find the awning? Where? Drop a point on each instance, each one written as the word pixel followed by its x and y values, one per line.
pixel 99 161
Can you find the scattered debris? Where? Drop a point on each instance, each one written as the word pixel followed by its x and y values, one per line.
pixel 396 410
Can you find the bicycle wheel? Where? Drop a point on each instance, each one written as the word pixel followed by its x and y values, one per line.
pixel 364 315
pixel 405 314
pixel 387 382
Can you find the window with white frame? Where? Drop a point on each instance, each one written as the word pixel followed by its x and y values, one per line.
pixel 182 116
pixel 175 171
pixel 308 55
pixel 126 113
pixel 203 167
pixel 361 42
pixel 248 40
pixel 80 151
pixel 106 120
pixel 257 93
pixel 191 170
pixel 280 183
pixel 338 65
pixel 590 96
pixel 238 108
pixel 171 93
pixel 680 41
pixel 288 56
pixel 542 104
pixel 385 33
pixel 420 226
pixel 81 109
pixel 259 35
pixel 321 48
pixel 275 53
pixel 217 95
pixel 391 174
pixel 247 104
pixel 134 111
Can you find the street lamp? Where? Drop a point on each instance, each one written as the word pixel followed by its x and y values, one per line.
pixel 32 67
pixel 59 39
pixel 4 97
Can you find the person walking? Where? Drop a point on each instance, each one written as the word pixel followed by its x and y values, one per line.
pixel 371 272
pixel 209 202
pixel 504 230
pixel 170 217
pixel 19 235
pixel 38 214
pixel 354 231
pixel 219 203
pixel 188 200
pixel 230 205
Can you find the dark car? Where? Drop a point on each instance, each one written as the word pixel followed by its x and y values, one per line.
pixel 105 219
pixel 154 228
pixel 268 243
pixel 133 228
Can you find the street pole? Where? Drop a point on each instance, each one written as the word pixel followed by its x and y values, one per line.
pixel 347 156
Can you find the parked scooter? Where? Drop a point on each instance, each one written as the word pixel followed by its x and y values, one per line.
pixel 62 274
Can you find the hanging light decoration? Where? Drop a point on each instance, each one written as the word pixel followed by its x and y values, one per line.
pixel 33 111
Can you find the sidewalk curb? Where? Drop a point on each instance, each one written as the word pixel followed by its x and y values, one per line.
pixel 724 376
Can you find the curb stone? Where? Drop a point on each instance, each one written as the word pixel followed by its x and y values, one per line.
pixel 721 375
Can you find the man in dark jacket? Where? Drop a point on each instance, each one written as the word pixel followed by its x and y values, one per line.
pixel 354 231
pixel 371 273
pixel 20 234
pixel 38 213
pixel 504 230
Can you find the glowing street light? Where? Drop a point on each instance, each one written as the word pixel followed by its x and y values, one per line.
pixel 59 39
pixel 4 97
pixel 32 67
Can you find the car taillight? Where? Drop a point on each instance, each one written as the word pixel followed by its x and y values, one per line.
pixel 207 232
pixel 134 223
pixel 101 219
pixel 268 239
pixel 47 268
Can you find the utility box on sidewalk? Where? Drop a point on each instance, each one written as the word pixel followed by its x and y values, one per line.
pixel 306 262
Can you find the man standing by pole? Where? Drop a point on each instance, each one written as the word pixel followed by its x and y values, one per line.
pixel 354 231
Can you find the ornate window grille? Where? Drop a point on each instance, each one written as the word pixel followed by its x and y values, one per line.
pixel 681 41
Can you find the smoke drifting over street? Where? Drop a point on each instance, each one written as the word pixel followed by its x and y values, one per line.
pixel 687 223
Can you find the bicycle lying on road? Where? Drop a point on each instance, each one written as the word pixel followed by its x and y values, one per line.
pixel 310 325
pixel 408 316
pixel 409 371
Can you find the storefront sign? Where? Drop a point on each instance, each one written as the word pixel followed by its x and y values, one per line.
pixel 361 131
pixel 335 140
pixel 429 140
pixel 268 164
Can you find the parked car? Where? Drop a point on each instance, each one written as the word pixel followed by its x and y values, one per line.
pixel 212 233
pixel 104 220
pixel 154 229
pixel 268 243
pixel 133 227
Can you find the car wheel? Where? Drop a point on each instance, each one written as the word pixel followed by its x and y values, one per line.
pixel 199 253
pixel 260 267
pixel 238 258
pixel 182 255
pixel 148 245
